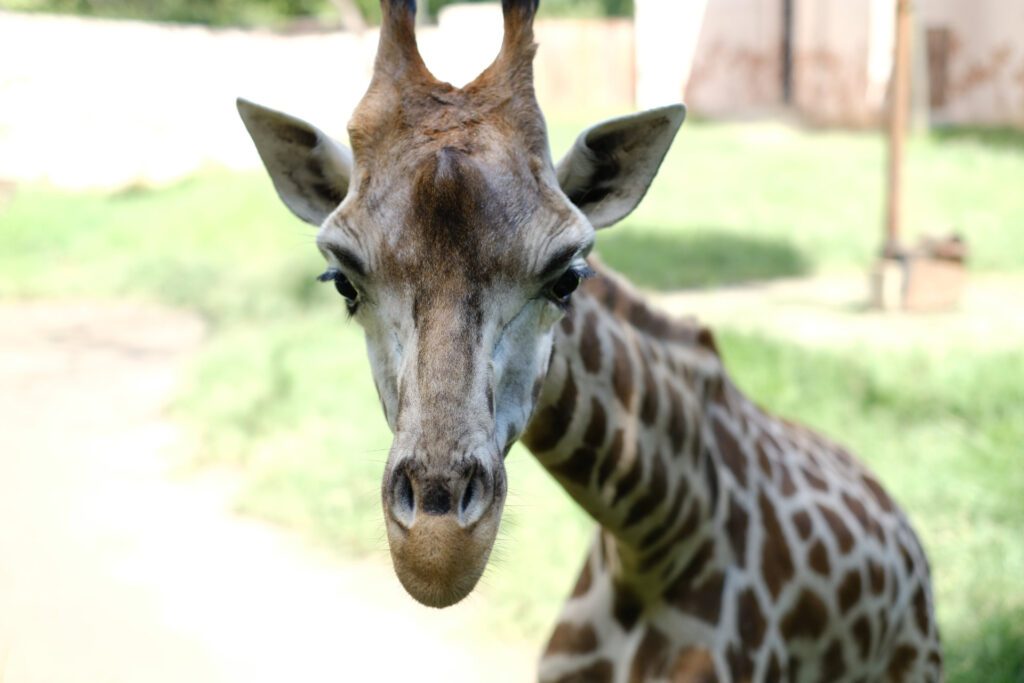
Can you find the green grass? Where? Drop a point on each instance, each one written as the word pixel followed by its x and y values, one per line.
pixel 282 389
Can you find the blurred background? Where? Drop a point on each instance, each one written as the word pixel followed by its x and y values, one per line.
pixel 190 447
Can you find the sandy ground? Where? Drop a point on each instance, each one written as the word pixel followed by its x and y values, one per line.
pixel 113 569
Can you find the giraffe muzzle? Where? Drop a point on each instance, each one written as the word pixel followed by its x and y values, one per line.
pixel 441 527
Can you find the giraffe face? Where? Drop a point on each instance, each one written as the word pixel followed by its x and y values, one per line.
pixel 456 244
pixel 457 267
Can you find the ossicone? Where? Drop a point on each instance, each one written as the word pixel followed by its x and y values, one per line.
pixel 398 56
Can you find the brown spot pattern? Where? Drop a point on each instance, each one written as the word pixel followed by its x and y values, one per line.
pixel 711 480
pixel 649 401
pixel 687 528
pixel 833 666
pixel 652 498
pixel 807 619
pixel 839 529
pixel 921 617
pixel 629 482
pixel 590 344
pixel 598 425
pixel 902 660
pixel 750 620
pixel 741 666
pixel 573 639
pixel 736 528
pixel 703 601
pixel 626 608
pixel 548 426
pixel 908 559
pixel 813 479
pixel 583 582
pixel 774 673
pixel 878 493
pixel 658 532
pixel 622 373
pixel 849 590
pixel 876 577
pixel 651 657
pixel 730 451
pixel 776 562
pixel 568 324
pixel 860 513
pixel 577 467
pixel 694 665
pixel 861 630
pixel 786 486
pixel 611 459
pixel 676 420
pixel 600 671
pixel 802 523
pixel 764 463
pixel 817 558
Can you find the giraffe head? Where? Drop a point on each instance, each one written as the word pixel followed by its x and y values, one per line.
pixel 455 243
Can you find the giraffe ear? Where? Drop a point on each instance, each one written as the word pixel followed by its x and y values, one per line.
pixel 310 171
pixel 608 170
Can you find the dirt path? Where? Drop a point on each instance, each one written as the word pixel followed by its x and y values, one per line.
pixel 113 570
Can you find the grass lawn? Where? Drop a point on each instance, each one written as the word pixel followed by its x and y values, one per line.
pixel 283 389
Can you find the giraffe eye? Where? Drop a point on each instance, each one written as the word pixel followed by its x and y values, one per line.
pixel 562 288
pixel 341 284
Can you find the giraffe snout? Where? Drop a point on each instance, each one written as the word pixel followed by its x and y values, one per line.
pixel 441 526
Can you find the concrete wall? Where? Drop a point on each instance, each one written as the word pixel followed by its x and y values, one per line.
pixel 95 103
pixel 737 68
pixel 977 53
pixel 842 59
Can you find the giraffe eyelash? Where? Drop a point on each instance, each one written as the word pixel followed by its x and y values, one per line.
pixel 344 287
pixel 559 291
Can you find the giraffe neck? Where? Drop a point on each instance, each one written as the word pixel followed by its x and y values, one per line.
pixel 620 424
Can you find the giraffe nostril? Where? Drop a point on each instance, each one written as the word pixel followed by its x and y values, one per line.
pixel 403 497
pixel 468 495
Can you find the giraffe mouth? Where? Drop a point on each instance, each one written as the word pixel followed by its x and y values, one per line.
pixel 438 562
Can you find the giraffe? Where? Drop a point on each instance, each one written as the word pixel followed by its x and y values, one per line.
pixel 732 545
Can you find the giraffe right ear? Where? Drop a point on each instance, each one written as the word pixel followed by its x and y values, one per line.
pixel 310 170
pixel 608 170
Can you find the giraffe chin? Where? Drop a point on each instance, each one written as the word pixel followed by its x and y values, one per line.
pixel 438 561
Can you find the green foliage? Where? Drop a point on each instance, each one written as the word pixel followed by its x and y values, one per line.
pixel 283 390
pixel 213 12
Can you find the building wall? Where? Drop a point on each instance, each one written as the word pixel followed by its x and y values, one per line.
pixel 976 53
pixel 737 67
pixel 725 58
pixel 841 60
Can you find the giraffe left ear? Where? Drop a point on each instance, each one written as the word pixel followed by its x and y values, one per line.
pixel 608 170
pixel 310 170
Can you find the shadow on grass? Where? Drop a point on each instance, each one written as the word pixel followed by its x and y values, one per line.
pixel 993 652
pixel 698 258
pixel 1000 138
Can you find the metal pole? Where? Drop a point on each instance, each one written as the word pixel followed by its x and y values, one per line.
pixel 898 104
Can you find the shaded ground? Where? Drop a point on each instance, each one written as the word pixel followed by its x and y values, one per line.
pixel 112 569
